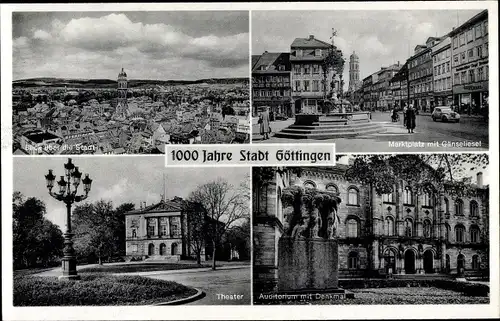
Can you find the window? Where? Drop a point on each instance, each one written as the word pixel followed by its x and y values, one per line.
pixel 480 73
pixel 315 69
pixel 470 53
pixel 455 42
pixel 485 52
pixel 448 66
pixel 163 230
pixel 463 77
pixel 463 58
pixel 472 75
pixel 478 31
pixel 485 28
pixel 353 260
pixel 297 85
pixel 459 234
pixel 470 35
pixel 135 247
pixel 317 52
pixel 296 69
pixel 408 227
pixel 447 232
pixel 299 52
pixel 446 205
pixel 306 85
pixel 389 226
pixel 387 198
pixel 315 86
pixel 455 59
pixel 475 262
pixel 352 228
pixel 332 188
pixel 307 69
pixel 474 234
pixel 281 67
pixel 407 196
pixel 353 196
pixel 310 185
pixel 151 230
pixel 175 249
pixel 427 229
pixel 174 228
pixel 456 79
pixel 459 207
pixel 462 39
pixel 474 210
pixel 134 233
pixel 479 51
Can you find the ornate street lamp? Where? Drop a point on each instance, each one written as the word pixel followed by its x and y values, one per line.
pixel 68 187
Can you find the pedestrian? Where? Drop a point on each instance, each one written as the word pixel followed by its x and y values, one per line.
pixel 265 129
pixel 404 114
pixel 410 119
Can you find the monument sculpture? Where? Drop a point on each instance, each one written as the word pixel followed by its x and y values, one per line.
pixel 308 249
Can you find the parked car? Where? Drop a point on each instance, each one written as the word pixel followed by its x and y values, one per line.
pixel 445 114
pixel 281 117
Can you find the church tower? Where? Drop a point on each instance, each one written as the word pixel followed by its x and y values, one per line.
pixel 354 82
pixel 121 106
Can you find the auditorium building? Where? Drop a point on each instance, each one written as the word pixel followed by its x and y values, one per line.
pixel 428 232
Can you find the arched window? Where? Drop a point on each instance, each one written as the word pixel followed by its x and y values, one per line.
pixel 446 206
pixel 459 233
pixel 389 226
pixel 474 234
pixel 332 188
pixel 459 207
pixel 151 249
pixel 387 198
pixel 352 228
pixel 175 249
pixel 163 249
pixel 353 196
pixel 408 227
pixel 474 209
pixel 475 262
pixel 428 198
pixel 353 260
pixel 407 196
pixel 427 229
pixel 310 184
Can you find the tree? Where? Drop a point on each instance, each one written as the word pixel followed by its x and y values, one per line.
pixel 238 238
pixel 225 205
pixel 198 229
pixel 100 230
pixel 36 240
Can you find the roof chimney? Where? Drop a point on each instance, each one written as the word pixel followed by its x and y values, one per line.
pixel 265 51
pixel 479 179
pixel 311 37
pixel 140 204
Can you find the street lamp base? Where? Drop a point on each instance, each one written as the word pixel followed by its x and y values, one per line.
pixel 69 277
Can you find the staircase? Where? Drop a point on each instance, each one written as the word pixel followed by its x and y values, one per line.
pixel 328 128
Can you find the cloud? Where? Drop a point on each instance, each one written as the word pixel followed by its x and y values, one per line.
pixel 116 39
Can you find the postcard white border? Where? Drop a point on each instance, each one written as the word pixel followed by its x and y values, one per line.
pixel 244 312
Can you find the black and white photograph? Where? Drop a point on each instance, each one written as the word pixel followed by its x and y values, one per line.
pixel 127 231
pixel 374 229
pixel 128 82
pixel 372 81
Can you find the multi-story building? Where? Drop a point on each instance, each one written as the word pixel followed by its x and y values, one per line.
pixel 427 231
pixel 441 66
pixel 399 87
pixel 381 88
pixel 367 89
pixel 420 76
pixel 164 231
pixel 469 65
pixel 308 87
pixel 271 83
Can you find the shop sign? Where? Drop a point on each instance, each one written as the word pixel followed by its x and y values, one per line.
pixel 461 89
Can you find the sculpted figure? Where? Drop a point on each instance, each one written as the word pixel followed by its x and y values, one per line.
pixel 287 216
pixel 333 223
pixel 317 223
pixel 300 229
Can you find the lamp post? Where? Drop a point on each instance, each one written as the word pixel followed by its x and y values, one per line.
pixel 67 194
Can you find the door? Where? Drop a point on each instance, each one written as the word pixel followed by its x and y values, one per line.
pixel 151 249
pixel 428 262
pixel 298 105
pixel 448 264
pixel 390 262
pixel 409 262
pixel 460 264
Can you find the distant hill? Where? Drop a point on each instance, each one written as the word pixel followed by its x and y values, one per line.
pixel 107 83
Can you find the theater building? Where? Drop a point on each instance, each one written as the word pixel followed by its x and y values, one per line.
pixel 470 63
pixel 163 231
pixel 424 232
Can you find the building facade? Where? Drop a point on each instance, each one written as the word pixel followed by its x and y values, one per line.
pixel 307 78
pixel 271 84
pixel 382 90
pixel 405 232
pixel 368 104
pixel 399 87
pixel 420 76
pixel 441 66
pixel 469 50
pixel 163 231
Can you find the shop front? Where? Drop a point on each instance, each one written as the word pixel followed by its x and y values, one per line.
pixel 471 98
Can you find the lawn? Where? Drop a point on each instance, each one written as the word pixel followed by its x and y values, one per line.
pixel 96 289
pixel 139 267
pixel 400 295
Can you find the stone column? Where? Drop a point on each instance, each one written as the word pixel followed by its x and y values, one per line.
pixel 167 221
pixel 158 226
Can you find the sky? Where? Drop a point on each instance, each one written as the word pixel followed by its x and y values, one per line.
pixel 119 179
pixel 181 45
pixel 379 38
